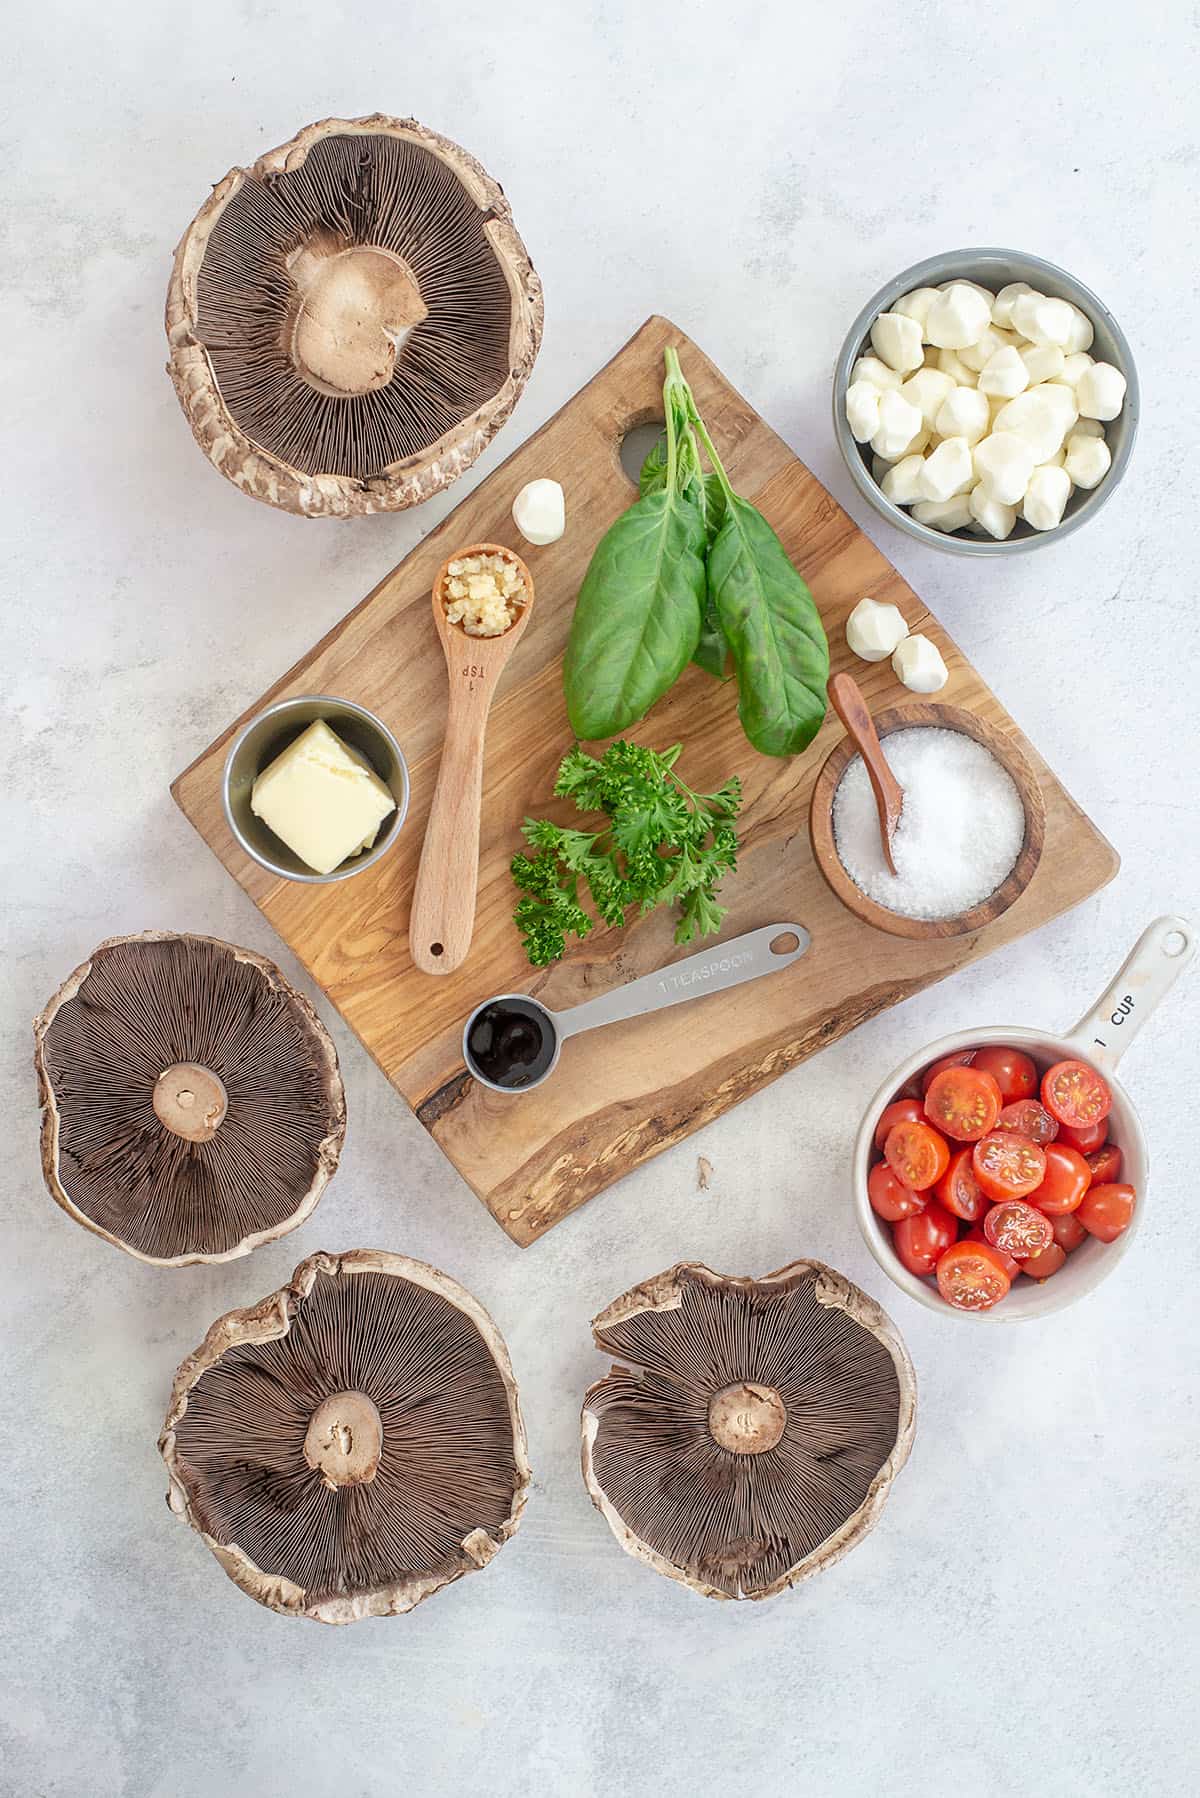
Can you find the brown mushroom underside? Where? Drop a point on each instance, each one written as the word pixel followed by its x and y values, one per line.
pixel 353 1443
pixel 753 1431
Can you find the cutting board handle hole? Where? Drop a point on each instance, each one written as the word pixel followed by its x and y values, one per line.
pixel 784 943
pixel 639 439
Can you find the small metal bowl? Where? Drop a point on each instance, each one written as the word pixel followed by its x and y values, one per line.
pixel 992 269
pixel 266 736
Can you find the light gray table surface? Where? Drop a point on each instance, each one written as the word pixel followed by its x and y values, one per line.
pixel 1023 1620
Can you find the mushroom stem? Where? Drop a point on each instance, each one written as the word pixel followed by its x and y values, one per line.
pixel 190 1100
pixel 746 1419
pixel 344 1441
pixel 355 306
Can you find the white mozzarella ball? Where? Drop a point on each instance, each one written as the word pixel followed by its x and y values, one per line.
pixel 1088 459
pixel 926 389
pixel 1044 321
pixel 901 484
pixel 1073 367
pixel 870 368
pixel 963 413
pixel 958 317
pixel 943 514
pixel 1023 311
pixel 995 518
pixel 1037 419
pixel 1043 362
pixel 1046 498
pixel 1100 391
pixel 539 512
pixel 862 409
pixel 1081 333
pixel 960 281
pixel 949 471
pixel 1002 305
pixel 1004 463
pixel 951 363
pixel 873 630
pixel 1063 399
pixel 1004 375
pixel 975 355
pixel 918 662
pixel 899 423
pixel 1087 427
pixel 916 304
pixel 897 341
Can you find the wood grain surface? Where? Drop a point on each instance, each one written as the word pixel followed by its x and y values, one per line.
pixel 618 1096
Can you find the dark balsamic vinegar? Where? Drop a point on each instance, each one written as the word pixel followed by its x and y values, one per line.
pixel 511 1043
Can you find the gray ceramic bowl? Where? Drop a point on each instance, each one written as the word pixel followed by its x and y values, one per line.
pixel 259 742
pixel 993 269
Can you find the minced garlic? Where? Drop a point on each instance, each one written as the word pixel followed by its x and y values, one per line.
pixel 482 594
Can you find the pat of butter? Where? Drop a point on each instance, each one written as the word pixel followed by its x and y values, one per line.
pixel 322 798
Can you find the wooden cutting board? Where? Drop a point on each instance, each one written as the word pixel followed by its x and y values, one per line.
pixel 619 1095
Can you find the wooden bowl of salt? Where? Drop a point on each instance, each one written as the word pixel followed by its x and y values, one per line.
pixel 970 836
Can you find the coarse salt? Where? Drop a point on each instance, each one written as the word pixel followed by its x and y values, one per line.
pixel 959 834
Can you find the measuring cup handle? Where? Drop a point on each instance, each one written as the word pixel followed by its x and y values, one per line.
pixel 1154 964
pixel 712 971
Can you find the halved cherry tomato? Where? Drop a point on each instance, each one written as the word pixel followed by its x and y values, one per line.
pixel 962 1103
pixel 961 1058
pixel 958 1189
pixel 900 1111
pixel 1068 1231
pixel 1105 1164
pixel 917 1155
pixel 972 1277
pixel 1087 1137
pixel 1106 1210
pixel 1014 1073
pixel 1075 1094
pixel 920 1240
pixel 890 1197
pixel 1040 1267
pixel 1067 1178
pixel 1007 1166
pixel 1028 1117
pixel 911 1088
pixel 1011 1267
pixel 1018 1229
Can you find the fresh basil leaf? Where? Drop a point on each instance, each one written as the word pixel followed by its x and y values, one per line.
pixel 653 474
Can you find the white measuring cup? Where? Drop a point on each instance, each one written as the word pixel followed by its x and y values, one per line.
pixel 743 958
pixel 1100 1038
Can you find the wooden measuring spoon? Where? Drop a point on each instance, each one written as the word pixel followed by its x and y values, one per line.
pixel 443 908
pixel 845 696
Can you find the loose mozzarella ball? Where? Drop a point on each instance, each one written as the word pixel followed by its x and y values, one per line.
pixel 901 483
pixel 952 364
pixel 1088 459
pixel 870 368
pixel 1043 362
pixel 949 471
pixel 1087 427
pixel 1046 498
pixel 943 514
pixel 1004 375
pixel 1063 399
pixel 1002 305
pixel 862 409
pixel 996 518
pixel 916 304
pixel 960 281
pixel 926 389
pixel 897 341
pixel 963 413
pixel 1040 421
pixel 873 630
pixel 1004 463
pixel 1081 333
pixel 918 661
pixel 958 317
pixel 1073 367
pixel 1100 391
pixel 975 355
pixel 899 422
pixel 1045 321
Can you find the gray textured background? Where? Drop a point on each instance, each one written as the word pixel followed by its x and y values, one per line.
pixel 1023 1620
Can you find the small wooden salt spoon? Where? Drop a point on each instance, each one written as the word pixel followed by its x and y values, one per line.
pixel 845 696
pixel 443 909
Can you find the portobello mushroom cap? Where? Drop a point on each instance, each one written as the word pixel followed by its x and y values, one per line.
pixel 754 1429
pixel 192 1106
pixel 352 319
pixel 351 1444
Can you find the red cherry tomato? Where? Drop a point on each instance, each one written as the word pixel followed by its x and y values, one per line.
pixel 1008 1166
pixel 900 1111
pixel 1086 1138
pixel 1105 1164
pixel 911 1088
pixel 1075 1094
pixel 972 1277
pixel 917 1155
pixel 962 1103
pixel 1011 1267
pixel 1014 1073
pixel 961 1058
pixel 1028 1117
pixel 958 1189
pixel 1068 1177
pixel 1040 1267
pixel 920 1240
pixel 889 1197
pixel 1018 1229
pixel 1068 1231
pixel 1106 1210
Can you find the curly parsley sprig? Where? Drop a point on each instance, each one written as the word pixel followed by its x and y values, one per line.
pixel 662 844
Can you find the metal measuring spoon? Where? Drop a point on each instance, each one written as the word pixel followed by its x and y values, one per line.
pixel 511 1043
